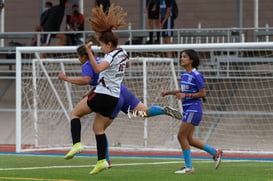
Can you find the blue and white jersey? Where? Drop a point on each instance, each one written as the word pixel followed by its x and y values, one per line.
pixel 111 78
pixel 87 70
pixel 191 83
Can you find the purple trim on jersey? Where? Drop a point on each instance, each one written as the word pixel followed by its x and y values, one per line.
pixel 191 83
pixel 126 100
pixel 87 70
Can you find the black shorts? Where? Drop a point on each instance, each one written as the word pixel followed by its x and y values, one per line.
pixel 102 103
pixel 153 14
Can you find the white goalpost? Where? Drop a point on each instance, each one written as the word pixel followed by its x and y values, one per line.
pixel 237 115
pixel 44 102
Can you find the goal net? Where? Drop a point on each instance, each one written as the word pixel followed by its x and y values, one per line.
pixel 237 112
pixel 44 102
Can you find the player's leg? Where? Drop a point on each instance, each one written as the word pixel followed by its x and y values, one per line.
pixel 107 144
pixel 143 111
pixel 158 110
pixel 80 110
pixel 114 114
pixel 99 125
pixel 101 121
pixel 134 107
pixel 185 130
pixel 217 154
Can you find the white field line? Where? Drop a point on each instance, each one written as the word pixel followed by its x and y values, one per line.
pixel 36 179
pixel 114 165
pixel 87 166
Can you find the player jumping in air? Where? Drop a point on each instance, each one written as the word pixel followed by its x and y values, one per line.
pixel 127 103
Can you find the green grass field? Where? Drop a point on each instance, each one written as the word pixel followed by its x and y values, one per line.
pixel 53 168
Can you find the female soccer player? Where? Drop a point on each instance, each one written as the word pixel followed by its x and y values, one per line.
pixel 192 90
pixel 89 76
pixel 127 103
pixel 104 98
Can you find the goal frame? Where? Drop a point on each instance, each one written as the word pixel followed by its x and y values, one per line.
pixel 37 59
pixel 141 48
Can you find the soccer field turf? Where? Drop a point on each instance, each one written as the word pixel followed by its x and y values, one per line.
pixel 55 168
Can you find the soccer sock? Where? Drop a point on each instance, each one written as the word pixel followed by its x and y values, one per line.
pixel 210 149
pixel 101 146
pixel 155 110
pixel 75 130
pixel 187 158
pixel 107 150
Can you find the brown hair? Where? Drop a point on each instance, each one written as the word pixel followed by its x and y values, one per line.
pixel 81 50
pixel 103 23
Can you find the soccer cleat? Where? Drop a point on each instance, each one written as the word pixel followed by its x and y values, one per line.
pixel 100 166
pixel 217 158
pixel 185 170
pixel 172 112
pixel 136 113
pixel 76 148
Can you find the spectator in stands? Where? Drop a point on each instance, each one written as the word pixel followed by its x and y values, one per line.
pixel 39 28
pixel 75 23
pixel 105 4
pixel 52 21
pixel 167 22
pixel 153 10
pixel 48 5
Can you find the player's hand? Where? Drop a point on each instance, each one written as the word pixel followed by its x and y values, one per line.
pixel 62 76
pixel 89 45
pixel 88 92
pixel 180 95
pixel 85 94
pixel 164 93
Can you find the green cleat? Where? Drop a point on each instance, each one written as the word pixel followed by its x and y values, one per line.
pixel 100 166
pixel 76 148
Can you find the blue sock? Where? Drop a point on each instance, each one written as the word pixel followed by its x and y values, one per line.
pixel 210 149
pixel 107 151
pixel 155 110
pixel 187 158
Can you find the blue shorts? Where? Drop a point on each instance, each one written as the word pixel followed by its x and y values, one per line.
pixel 192 117
pixel 127 100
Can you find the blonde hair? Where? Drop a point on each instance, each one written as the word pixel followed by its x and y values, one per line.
pixel 103 23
